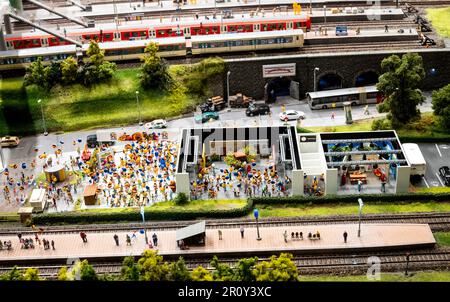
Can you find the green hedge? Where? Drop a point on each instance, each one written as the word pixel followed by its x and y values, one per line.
pixel 353 198
pixel 134 215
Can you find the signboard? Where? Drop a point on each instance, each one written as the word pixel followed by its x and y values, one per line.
pixel 278 70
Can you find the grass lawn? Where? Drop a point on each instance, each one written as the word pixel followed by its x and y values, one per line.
pixel 193 205
pixel 433 190
pixel 77 107
pixel 431 276
pixel 440 19
pixel 425 127
pixel 442 238
pixel 345 209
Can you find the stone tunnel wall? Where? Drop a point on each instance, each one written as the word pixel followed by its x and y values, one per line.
pixel 247 75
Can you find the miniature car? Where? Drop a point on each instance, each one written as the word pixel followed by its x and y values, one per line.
pixel 206 116
pixel 9 141
pixel 444 171
pixel 157 124
pixel 290 115
pixel 257 109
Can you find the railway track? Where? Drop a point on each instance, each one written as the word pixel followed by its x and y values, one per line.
pixel 311 264
pixel 437 222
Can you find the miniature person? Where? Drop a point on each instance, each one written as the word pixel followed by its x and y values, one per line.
pixel 242 232
pixel 345 236
pixel 285 235
pixel 128 238
pixel 116 239
pixel 220 234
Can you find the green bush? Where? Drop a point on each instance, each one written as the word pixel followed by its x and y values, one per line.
pixel 181 199
pixel 381 124
pixel 133 215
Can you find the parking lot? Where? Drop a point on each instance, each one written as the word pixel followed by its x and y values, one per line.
pixel 436 156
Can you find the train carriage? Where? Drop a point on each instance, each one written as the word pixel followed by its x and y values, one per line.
pixel 147 29
pixel 168 47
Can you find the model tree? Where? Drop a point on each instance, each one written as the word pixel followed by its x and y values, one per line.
pixel 178 271
pixel 97 70
pixel 280 268
pixel 399 84
pixel 69 70
pixel 154 70
pixel 42 76
pixel 129 271
pixel 152 268
pixel 243 269
pixel 441 106
pixel 201 274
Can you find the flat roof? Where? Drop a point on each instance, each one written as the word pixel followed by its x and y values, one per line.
pixel 207 135
pixel 191 230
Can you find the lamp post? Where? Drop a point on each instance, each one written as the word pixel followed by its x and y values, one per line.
pixel 138 108
pixel 143 222
pixel 43 118
pixel 315 77
pixel 256 214
pixel 361 204
pixel 324 14
pixel 228 90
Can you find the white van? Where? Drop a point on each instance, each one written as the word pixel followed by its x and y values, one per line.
pixel 415 159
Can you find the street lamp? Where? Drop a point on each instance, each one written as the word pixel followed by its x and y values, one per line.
pixel 143 222
pixel 317 69
pixel 43 118
pixel 324 14
pixel 228 90
pixel 138 108
pixel 361 204
pixel 256 214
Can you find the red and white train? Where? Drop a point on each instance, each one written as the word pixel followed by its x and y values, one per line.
pixel 160 28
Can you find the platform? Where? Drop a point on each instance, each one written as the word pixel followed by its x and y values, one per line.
pixel 101 245
pixel 366 35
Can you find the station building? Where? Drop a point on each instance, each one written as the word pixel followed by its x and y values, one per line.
pixel 336 162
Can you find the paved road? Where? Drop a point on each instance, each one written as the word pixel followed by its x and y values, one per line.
pixel 436 155
pixel 25 152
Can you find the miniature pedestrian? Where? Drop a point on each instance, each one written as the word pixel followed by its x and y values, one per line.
pixel 359 185
pixel 220 234
pixel 128 240
pixel 386 28
pixel 383 186
pixel 83 236
pixel 285 235
pixel 53 245
pixel 333 115
pixel 366 110
pixel 345 236
pixel 116 239
pixel 20 237
pixel 242 232
pixel 155 239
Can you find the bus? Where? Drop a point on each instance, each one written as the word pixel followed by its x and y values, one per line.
pixel 337 97
pixel 415 159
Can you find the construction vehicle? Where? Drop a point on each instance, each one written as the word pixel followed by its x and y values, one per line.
pixel 215 103
pixel 240 101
